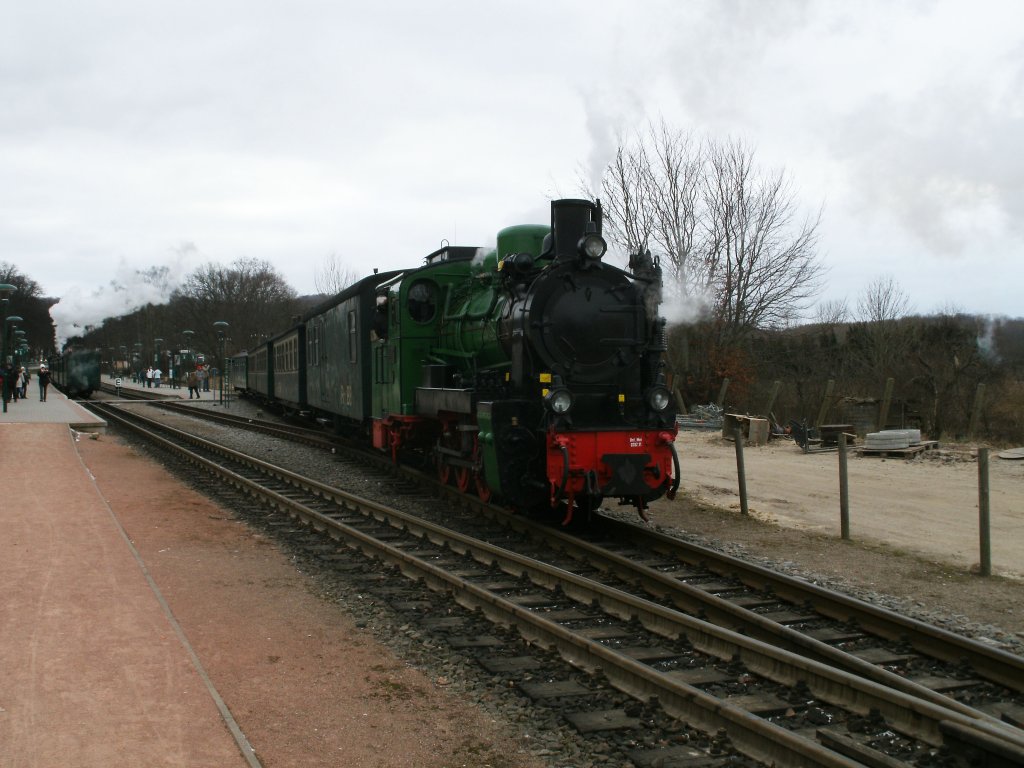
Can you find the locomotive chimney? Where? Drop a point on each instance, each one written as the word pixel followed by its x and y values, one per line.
pixel 569 223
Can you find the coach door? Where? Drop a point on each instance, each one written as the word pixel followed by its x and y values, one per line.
pixel 318 351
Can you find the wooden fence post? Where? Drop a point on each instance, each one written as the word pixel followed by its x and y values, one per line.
pixel 844 490
pixel 741 473
pixel 984 523
pixel 767 412
pixel 721 393
pixel 826 403
pixel 679 400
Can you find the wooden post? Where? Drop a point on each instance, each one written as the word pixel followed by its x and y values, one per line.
pixel 983 513
pixel 679 400
pixel 844 490
pixel 767 412
pixel 741 472
pixel 883 413
pixel 826 403
pixel 979 399
pixel 721 393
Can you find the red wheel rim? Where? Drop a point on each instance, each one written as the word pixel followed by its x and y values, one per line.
pixel 444 471
pixel 462 476
pixel 483 490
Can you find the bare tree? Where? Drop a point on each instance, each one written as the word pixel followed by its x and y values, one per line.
pixel 718 223
pixel 627 207
pixel 250 296
pixel 333 276
pixel 881 340
pixel 832 313
pixel 882 301
pixel 728 235
pixel 650 193
pixel 758 257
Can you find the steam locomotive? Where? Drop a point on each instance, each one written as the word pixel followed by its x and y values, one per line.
pixel 532 373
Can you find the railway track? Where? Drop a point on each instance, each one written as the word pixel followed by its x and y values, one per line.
pixel 713 654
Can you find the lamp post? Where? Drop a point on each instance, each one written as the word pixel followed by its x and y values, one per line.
pixel 222 330
pixel 158 342
pixel 187 358
pixel 19 342
pixel 10 323
pixel 6 290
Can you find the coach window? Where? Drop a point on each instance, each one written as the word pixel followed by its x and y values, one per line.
pixel 422 300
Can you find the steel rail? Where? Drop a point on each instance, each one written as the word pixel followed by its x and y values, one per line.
pixel 722 612
pixel 991 663
pixel 994 664
pixel 758 737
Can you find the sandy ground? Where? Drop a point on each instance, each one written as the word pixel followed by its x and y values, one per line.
pixel 928 505
pixel 914 523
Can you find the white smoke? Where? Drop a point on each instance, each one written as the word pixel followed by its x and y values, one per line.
pixel 685 309
pixel 987 340
pixel 80 309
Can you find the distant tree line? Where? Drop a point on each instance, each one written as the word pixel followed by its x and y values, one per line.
pixel 27 302
pixel 250 295
pixel 940 365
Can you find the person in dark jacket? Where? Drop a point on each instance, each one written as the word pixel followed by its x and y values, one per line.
pixel 44 381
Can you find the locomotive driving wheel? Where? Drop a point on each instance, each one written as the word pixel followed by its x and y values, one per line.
pixel 483 490
pixel 449 441
pixel 462 477
pixel 444 469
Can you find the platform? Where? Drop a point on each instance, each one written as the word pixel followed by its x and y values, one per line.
pixel 93 668
pixel 57 409
pixel 164 390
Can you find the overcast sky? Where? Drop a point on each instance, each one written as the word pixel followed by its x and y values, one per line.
pixel 149 134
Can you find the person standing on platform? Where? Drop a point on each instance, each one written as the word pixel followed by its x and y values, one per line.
pixel 12 375
pixel 149 377
pixel 157 373
pixel 193 384
pixel 23 381
pixel 6 381
pixel 44 381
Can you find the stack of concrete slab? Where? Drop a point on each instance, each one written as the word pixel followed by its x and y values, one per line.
pixel 892 439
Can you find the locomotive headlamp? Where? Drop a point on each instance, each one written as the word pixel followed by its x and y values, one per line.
pixel 658 398
pixel 592 246
pixel 559 400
